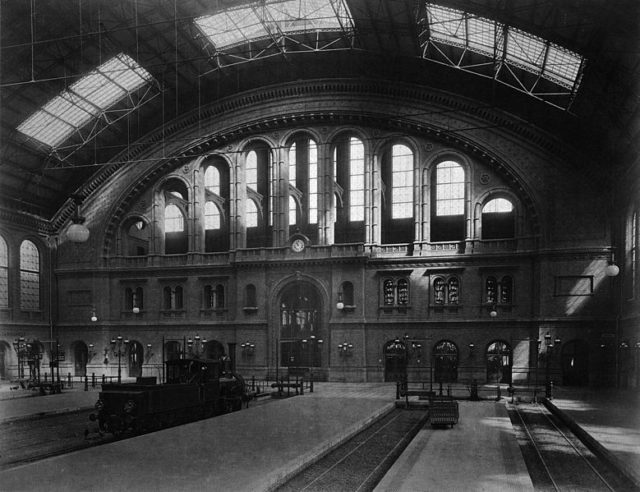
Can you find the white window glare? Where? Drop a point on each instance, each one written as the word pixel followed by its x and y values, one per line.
pixel 252 170
pixel 497 205
pixel 525 50
pixel 231 27
pixel 313 182
pixel 212 180
pixel 292 164
pixel 251 213
pixel 293 208
pixel 84 100
pixel 356 180
pixel 401 182
pixel 173 219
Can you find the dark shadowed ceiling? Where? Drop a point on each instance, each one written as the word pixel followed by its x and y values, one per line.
pixel 47 45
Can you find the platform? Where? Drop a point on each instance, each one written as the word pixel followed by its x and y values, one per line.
pixel 257 448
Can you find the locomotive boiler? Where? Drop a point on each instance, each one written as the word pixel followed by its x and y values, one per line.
pixel 194 389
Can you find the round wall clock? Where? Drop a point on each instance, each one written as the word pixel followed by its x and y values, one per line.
pixel 297 245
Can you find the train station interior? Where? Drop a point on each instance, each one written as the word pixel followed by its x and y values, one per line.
pixel 352 192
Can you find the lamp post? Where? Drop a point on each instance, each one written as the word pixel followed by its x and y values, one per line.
pixel 549 352
pixel 196 346
pixel 311 345
pixel 248 348
pixel 20 346
pixel 119 347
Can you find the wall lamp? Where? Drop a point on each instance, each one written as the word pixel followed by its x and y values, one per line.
pixel 345 349
pixel 77 232
pixel 494 311
pixel 248 348
pixel 149 353
pixel 340 303
pixel 472 349
pixel 94 317
pixel 91 352
pixel 612 270
pixel 136 310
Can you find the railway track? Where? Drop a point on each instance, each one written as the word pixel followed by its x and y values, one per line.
pixel 360 463
pixel 557 460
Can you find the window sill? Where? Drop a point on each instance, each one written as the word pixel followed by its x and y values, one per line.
pixel 399 309
pixel 250 309
pixel 173 313
pixel 445 307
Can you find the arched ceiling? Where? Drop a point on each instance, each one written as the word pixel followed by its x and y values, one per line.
pixel 47 46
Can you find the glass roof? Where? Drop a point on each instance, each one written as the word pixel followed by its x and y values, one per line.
pixel 519 48
pixel 85 100
pixel 262 20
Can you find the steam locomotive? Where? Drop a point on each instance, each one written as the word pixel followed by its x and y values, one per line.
pixel 194 389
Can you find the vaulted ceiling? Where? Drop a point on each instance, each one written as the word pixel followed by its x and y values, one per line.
pixel 48 45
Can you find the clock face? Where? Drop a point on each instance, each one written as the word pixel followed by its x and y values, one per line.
pixel 297 245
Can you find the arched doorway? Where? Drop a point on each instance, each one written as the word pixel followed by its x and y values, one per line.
pixel 300 308
pixel 172 350
pixel 135 359
pixel 80 358
pixel 5 353
pixel 499 362
pixel 395 360
pixel 445 361
pixel 213 349
pixel 575 363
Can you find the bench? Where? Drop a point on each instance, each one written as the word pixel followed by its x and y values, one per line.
pixel 289 385
pixel 443 411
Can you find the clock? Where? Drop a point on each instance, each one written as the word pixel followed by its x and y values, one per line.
pixel 297 246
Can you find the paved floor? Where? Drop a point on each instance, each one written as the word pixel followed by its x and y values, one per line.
pixel 256 448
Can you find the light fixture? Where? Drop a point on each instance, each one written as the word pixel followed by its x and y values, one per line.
pixel 94 317
pixel 77 231
pixel 340 303
pixel 136 310
pixel 248 348
pixel 612 270
pixel 345 349
pixel 494 312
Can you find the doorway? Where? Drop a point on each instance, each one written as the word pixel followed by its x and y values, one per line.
pixel 499 362
pixel 300 322
pixel 136 357
pixel 80 358
pixel 445 360
pixel 575 363
pixel 395 361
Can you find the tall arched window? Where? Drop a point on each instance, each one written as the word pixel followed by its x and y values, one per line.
pixel 498 219
pixel 260 189
pixel 303 186
pixel 29 276
pixel 448 208
pixel 397 172
pixel 349 194
pixel 216 202
pixel 446 291
pixel 401 182
pixel 4 274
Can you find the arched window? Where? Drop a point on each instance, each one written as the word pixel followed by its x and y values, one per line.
pixel 138 298
pixel 347 294
pixel 401 182
pixel 397 212
pixel 4 274
pixel 133 298
pixel 250 299
pixel 135 238
pixel 395 292
pixel 167 298
pixel 251 213
pixel 173 219
pixel 303 186
pixel 212 180
pixel 214 297
pixel 172 298
pixel 219 297
pixel 261 186
pixel 446 291
pixel 349 192
pixel 211 216
pixel 499 292
pixel 29 276
pixel 498 219
pixel 506 290
pixel 448 211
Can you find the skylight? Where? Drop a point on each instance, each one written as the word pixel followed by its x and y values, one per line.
pixel 85 100
pixel 501 42
pixel 231 27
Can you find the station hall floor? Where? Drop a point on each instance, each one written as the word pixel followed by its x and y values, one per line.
pixel 258 448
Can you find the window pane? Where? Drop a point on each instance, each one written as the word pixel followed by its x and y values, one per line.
pixel 251 170
pixel 497 205
pixel 292 210
pixel 356 180
pixel 313 182
pixel 401 182
pixel 251 214
pixel 173 219
pixel 450 189
pixel 211 216
pixel 212 180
